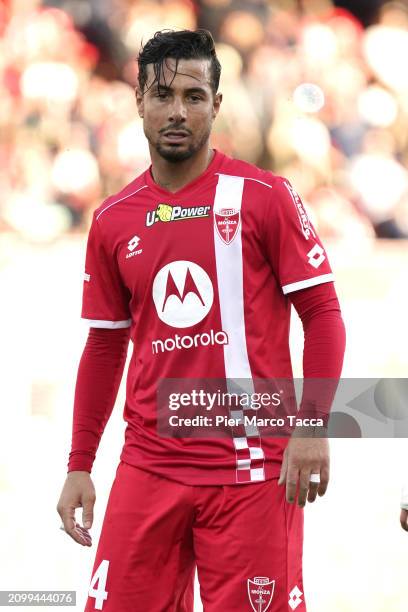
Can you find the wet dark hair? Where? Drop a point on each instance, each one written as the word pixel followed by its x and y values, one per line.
pixel 183 44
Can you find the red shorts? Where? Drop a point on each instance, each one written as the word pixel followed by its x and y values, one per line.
pixel 245 541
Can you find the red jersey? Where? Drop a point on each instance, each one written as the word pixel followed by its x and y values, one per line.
pixel 202 277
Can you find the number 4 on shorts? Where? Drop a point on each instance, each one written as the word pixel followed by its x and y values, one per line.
pixel 99 593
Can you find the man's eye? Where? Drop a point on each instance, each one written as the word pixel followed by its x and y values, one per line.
pixel 161 96
pixel 195 98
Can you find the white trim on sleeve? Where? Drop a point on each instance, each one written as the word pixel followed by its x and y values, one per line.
pixel 108 324
pixel 309 282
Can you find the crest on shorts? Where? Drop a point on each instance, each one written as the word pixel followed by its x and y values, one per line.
pixel 227 222
pixel 260 593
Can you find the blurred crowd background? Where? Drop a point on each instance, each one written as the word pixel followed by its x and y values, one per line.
pixel 70 135
pixel 314 90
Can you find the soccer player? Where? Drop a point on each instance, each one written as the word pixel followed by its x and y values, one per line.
pixel 197 261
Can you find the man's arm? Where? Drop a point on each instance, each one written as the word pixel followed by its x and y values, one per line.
pixel 99 374
pixel 324 346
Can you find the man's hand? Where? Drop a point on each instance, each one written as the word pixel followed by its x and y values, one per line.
pixel 303 457
pixel 404 519
pixel 78 492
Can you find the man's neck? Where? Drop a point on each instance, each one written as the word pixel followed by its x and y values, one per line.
pixel 173 176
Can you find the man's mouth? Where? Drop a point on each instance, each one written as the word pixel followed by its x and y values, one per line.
pixel 175 135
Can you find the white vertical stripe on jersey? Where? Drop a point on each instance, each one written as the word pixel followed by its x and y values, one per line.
pixel 230 280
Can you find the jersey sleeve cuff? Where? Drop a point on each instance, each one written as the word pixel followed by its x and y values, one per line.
pixel 108 324
pixel 81 462
pixel 309 282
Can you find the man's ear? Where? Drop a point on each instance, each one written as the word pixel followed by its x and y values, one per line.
pixel 217 104
pixel 139 101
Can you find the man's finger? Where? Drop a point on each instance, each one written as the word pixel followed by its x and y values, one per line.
pixel 84 533
pixel 304 482
pixel 324 480
pixel 78 535
pixel 404 519
pixel 70 525
pixel 312 494
pixel 284 468
pixel 67 515
pixel 292 478
pixel 87 513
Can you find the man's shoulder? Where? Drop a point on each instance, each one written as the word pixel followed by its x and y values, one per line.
pixel 246 170
pixel 130 190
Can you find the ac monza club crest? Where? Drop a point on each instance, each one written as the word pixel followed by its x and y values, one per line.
pixel 260 593
pixel 227 222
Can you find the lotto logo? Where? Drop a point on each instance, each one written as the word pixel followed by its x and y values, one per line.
pixel 132 244
pixel 295 598
pixel 316 256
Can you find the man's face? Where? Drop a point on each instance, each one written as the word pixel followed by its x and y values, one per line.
pixel 177 119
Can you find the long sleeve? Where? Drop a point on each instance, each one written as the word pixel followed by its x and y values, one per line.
pixel 99 374
pixel 324 346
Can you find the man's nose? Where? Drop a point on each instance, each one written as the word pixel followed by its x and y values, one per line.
pixel 177 111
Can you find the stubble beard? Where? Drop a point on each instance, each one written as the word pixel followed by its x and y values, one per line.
pixel 174 155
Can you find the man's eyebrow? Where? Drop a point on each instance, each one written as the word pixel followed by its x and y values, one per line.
pixel 156 86
pixel 195 89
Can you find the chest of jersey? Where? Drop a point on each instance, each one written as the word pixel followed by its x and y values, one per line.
pixel 174 250
pixel 159 234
